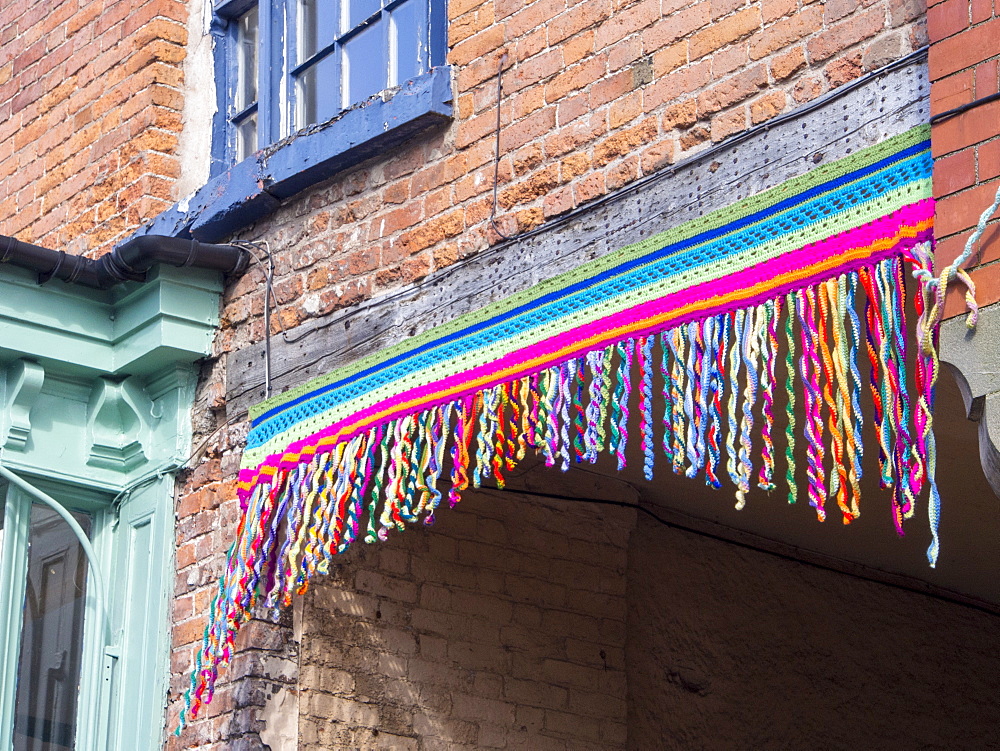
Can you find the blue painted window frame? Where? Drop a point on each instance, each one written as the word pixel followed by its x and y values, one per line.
pixel 238 195
pixel 277 103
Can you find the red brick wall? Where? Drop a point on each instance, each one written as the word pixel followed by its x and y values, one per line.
pixel 964 61
pixel 596 94
pixel 90 102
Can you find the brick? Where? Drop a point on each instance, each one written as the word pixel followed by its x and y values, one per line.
pixel 724 32
pixel 657 156
pixel 625 110
pixel 557 202
pixel 669 59
pixel 610 88
pixel 693 138
pixel 576 78
pixel 735 89
pixel 787 63
pixel 722 8
pixel 947 18
pixel 987 78
pixel 841 70
pixel 954 172
pixel 677 26
pixel 572 725
pixel 884 50
pixel 768 106
pixel 527 159
pixel 622 173
pixel 772 10
pixel 681 115
pixel 535 69
pixel 967 129
pixel 807 89
pixel 786 32
pixel 728 60
pixel 905 11
pixel 532 16
pixel 477 46
pixel 584 15
pixel 960 211
pixel 727 123
pixel 980 10
pixel 622 23
pixel 624 53
pixel 530 44
pixel 464 26
pixel 963 50
pixel 676 85
pixel 623 142
pixel 845 34
pixel 988 159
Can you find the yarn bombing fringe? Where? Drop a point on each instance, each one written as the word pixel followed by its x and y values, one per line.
pixel 811 272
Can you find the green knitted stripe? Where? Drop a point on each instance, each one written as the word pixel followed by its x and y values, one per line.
pixel 713 220
pixel 849 219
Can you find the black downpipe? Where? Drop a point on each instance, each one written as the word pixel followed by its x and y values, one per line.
pixel 128 262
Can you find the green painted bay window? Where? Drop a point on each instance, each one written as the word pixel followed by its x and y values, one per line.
pixel 96 388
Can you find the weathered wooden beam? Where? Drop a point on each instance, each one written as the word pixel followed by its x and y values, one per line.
pixel 882 107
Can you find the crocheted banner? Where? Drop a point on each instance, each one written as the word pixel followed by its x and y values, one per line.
pixel 705 308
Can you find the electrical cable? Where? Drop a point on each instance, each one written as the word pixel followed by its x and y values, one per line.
pixel 496 152
pixel 964 108
pixel 640 183
pixel 727 143
pixel 849 568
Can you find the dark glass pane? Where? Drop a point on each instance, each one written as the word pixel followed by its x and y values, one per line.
pixel 409 40
pixel 48 675
pixel 366 64
pixel 358 11
pixel 317 26
pixel 246 137
pixel 247 55
pixel 317 93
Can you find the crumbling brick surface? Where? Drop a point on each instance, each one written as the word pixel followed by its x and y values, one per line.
pixel 502 626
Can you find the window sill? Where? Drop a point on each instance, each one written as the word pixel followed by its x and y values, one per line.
pixel 255 187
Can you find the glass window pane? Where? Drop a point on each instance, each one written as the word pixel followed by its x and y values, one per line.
pixel 246 137
pixel 357 11
pixel 246 45
pixel 317 93
pixel 409 41
pixel 48 679
pixel 366 65
pixel 317 26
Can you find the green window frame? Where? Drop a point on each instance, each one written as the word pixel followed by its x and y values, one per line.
pixel 96 390
pixel 123 645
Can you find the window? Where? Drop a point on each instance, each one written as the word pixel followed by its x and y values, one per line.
pixel 296 86
pixel 45 596
pixel 289 64
pixel 83 651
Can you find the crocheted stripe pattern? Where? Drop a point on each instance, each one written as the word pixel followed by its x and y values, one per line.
pixel 709 307
pixel 754 237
